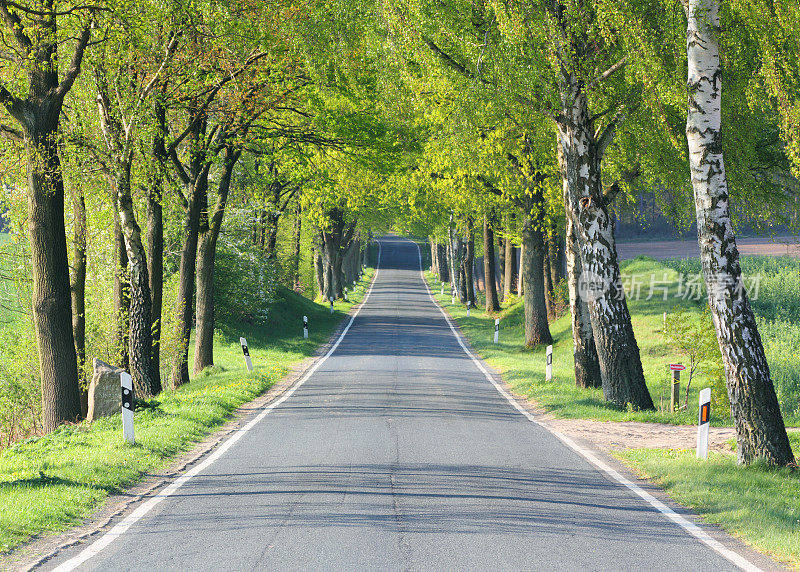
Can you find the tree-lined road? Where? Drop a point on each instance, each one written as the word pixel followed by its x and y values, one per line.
pixel 398 454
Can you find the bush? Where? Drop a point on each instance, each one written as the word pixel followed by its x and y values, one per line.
pixel 244 282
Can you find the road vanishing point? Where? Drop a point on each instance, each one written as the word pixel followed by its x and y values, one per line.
pixel 399 452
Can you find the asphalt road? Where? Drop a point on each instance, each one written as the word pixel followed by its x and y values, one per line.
pixel 398 454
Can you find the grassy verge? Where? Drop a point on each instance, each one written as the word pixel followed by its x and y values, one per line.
pixel 523 369
pixel 50 483
pixel 757 504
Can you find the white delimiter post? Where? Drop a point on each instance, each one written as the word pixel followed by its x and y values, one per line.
pixel 331 304
pixel 468 305
pixel 442 288
pixel 704 420
pixel 548 369
pixel 496 330
pixel 247 361
pixel 345 294
pixel 127 406
pixel 305 327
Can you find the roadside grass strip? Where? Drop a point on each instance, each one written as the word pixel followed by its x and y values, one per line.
pixel 758 504
pixel 50 483
pixel 524 369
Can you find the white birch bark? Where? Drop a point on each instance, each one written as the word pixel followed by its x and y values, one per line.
pixel 760 431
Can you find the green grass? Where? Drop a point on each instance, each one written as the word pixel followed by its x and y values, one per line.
pixel 524 369
pixel 758 504
pixel 50 483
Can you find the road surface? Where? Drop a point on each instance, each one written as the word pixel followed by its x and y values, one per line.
pixel 397 453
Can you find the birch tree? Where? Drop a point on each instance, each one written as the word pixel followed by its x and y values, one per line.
pixel 760 431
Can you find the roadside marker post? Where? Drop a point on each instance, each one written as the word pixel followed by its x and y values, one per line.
pixel 469 303
pixel 305 327
pixel 247 361
pixel 442 288
pixel 548 368
pixel 331 304
pixel 496 330
pixel 675 392
pixel 704 420
pixel 453 297
pixel 345 294
pixel 126 384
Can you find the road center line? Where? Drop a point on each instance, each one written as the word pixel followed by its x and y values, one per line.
pixel 119 529
pixel 689 527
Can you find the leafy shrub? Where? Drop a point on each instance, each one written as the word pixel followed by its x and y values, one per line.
pixel 244 282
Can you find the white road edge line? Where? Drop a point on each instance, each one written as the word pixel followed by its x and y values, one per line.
pixel 119 529
pixel 670 514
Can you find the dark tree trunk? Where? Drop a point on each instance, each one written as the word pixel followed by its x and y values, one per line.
pixel 155 248
pixel 441 262
pixel 501 263
pixel 206 257
pixel 510 274
pixel 78 289
pixel 271 232
pixel 548 286
pixel 469 268
pixel 489 269
pixel 122 300
pixel 186 279
pixel 296 233
pixel 617 350
pixel 319 271
pixel 51 289
pixel 537 330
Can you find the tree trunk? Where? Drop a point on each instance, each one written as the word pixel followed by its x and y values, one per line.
pixel 121 293
pixel 467 267
pixel 296 233
pixel 501 263
pixel 492 303
pixel 319 272
pixel 537 330
pixel 587 365
pixel 155 249
pixel 78 289
pixel 206 257
pixel 441 262
pixel 760 431
pixel 271 232
pixel 510 274
pixel 51 289
pixel 548 285
pixel 139 315
pixel 186 280
pixel 617 350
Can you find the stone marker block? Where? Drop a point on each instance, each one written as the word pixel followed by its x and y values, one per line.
pixel 105 395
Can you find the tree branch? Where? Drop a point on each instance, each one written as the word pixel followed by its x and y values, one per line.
pixel 609 72
pixel 75 66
